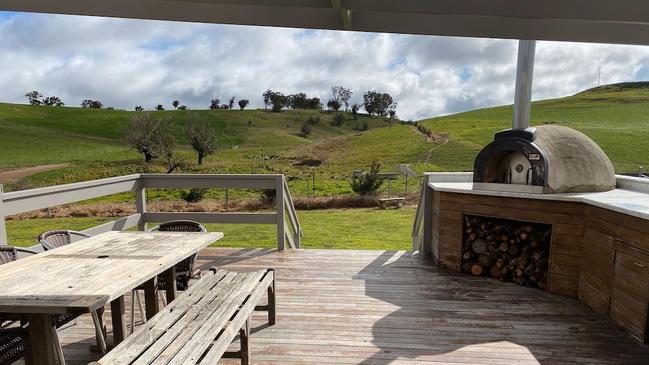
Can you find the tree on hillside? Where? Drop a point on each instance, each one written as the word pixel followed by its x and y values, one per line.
pixel 267 96
pixel 92 104
pixel 231 103
pixel 183 107
pixel 215 103
pixel 159 107
pixel 53 101
pixel 34 97
pixel 367 183
pixel 297 101
pixel 150 136
pixel 341 95
pixel 201 135
pixel 171 159
pixel 243 103
pixel 333 105
pixel 377 103
pixel 175 104
pixel 314 103
pixel 279 101
pixel 355 109
pixel 139 108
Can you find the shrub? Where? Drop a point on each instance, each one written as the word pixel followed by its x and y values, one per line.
pixel 91 104
pixel 268 196
pixel 193 195
pixel 368 183
pixel 306 129
pixel 338 120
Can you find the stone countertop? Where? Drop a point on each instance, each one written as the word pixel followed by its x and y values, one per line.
pixel 626 201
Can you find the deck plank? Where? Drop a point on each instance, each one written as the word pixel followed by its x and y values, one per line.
pixel 389 307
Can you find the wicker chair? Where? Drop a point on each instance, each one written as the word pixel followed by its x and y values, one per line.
pixel 185 269
pixel 53 239
pixel 14 343
pixel 9 253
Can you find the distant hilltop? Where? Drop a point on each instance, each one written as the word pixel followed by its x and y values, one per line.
pixel 618 87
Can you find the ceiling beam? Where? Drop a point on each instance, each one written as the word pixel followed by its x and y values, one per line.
pixel 599 21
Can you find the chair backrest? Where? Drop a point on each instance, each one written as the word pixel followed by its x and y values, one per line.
pixel 180 226
pixel 7 254
pixel 53 239
pixel 186 266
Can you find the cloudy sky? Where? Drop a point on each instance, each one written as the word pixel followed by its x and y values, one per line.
pixel 125 63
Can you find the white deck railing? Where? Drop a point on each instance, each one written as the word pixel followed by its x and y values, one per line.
pixel 288 231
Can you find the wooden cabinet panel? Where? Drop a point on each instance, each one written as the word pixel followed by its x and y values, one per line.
pixel 594 298
pixel 597 270
pixel 630 291
pixel 627 319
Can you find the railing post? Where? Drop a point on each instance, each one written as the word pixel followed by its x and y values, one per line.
pixel 3 226
pixel 140 204
pixel 427 197
pixel 279 200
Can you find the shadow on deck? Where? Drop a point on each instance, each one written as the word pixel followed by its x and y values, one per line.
pixel 389 307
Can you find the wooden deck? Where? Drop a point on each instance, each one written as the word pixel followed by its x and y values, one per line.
pixel 388 307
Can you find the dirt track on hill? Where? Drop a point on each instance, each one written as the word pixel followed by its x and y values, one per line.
pixel 19 174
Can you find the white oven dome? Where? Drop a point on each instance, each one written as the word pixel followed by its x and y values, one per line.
pixel 574 162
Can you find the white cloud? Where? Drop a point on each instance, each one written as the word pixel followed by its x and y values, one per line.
pixel 133 62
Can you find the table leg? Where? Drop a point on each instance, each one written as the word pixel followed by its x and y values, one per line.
pixel 151 298
pixel 170 281
pixel 42 333
pixel 118 314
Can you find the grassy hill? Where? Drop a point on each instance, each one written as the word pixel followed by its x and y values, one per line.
pixel 249 141
pixel 615 116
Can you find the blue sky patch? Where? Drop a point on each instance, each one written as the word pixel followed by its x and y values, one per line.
pixel 643 72
pixel 162 45
pixel 8 14
pixel 465 74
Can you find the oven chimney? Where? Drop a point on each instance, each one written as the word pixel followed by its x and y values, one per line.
pixel 523 93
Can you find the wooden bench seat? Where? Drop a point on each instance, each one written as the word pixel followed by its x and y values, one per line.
pixel 384 202
pixel 201 323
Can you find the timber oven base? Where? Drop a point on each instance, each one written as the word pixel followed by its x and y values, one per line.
pixel 561 219
pixel 597 255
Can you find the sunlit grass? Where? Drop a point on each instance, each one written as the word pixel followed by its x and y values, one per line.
pixel 367 229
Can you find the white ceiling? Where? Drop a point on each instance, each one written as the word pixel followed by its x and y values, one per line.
pixel 600 21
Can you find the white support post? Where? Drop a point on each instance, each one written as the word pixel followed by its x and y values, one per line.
pixel 3 226
pixel 524 76
pixel 279 200
pixel 427 199
pixel 140 205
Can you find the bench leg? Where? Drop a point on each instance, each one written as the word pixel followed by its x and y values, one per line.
pixel 272 313
pixel 244 336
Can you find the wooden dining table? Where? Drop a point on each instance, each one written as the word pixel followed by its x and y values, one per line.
pixel 85 276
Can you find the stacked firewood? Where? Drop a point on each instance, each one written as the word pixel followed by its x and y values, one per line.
pixel 506 250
